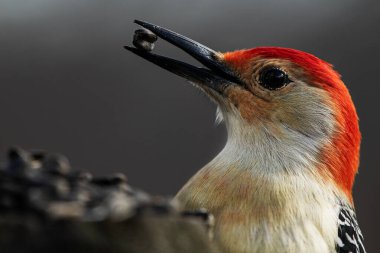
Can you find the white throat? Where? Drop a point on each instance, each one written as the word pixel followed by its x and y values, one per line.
pixel 264 149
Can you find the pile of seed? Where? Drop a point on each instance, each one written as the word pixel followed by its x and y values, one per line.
pixel 45 184
pixel 47 206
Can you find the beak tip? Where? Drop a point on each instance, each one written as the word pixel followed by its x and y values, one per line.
pixel 128 48
pixel 132 49
pixel 139 22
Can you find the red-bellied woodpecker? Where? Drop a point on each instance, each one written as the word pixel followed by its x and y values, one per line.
pixel 283 181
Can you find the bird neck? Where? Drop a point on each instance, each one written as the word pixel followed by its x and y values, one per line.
pixel 268 151
pixel 271 148
pixel 260 179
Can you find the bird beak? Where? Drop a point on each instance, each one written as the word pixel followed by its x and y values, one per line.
pixel 217 75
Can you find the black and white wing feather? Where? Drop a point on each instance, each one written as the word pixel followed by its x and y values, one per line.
pixel 350 238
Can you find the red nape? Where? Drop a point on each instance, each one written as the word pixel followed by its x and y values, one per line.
pixel 342 156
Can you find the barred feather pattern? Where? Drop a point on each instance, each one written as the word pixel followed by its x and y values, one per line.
pixel 350 238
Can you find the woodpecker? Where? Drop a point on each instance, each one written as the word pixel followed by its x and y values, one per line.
pixel 283 182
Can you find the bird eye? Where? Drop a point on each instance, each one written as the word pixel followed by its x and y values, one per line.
pixel 273 78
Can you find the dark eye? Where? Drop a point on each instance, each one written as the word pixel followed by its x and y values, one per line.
pixel 273 78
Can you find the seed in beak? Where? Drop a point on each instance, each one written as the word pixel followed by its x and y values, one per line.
pixel 144 39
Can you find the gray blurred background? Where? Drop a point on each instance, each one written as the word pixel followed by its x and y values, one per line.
pixel 68 86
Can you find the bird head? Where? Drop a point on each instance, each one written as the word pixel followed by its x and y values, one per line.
pixel 285 107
